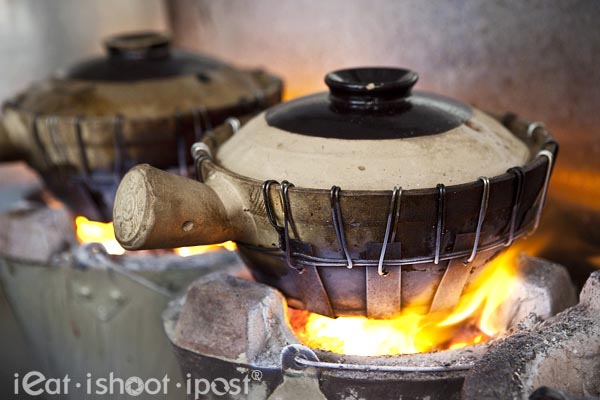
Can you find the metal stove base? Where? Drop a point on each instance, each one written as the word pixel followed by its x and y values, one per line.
pixel 229 328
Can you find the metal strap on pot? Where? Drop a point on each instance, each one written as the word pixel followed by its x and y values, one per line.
pixel 119 147
pixel 180 144
pixel 38 140
pixel 519 184
pixel 80 144
pixel 384 285
pixel 287 222
pixel 338 223
pixel 454 279
pixel 199 115
pixel 314 295
pixel 234 123
pixel 542 203
pixel 390 227
pixel 532 127
pixel 200 152
pixel 56 139
pixel 485 197
pixel 282 231
pixel 266 187
pixel 441 217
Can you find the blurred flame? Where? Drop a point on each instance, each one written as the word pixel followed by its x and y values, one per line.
pixel 472 321
pixel 103 233
pixel 97 232
pixel 194 250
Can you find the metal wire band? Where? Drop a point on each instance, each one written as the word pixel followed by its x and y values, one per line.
pixel 378 368
pixel 485 197
pixel 532 127
pixel 287 221
pixel 119 146
pixel 180 144
pixel 519 174
pixel 200 152
pixel 59 146
pixel 338 223
pixel 266 186
pixel 197 124
pixel 441 217
pixel 205 117
pixel 235 124
pixel 336 262
pixel 538 216
pixel 38 140
pixel 81 145
pixel 391 219
pixel 201 122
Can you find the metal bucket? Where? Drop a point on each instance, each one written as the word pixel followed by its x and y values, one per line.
pixel 85 312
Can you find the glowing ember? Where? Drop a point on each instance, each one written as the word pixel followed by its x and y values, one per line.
pixel 472 321
pixel 103 233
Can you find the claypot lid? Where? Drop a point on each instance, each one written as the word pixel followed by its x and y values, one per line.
pixel 140 56
pixel 141 76
pixel 371 131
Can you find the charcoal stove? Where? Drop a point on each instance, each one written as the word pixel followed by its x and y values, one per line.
pixel 230 328
pixel 81 130
pixel 362 252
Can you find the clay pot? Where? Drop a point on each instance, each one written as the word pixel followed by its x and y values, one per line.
pixel 141 102
pixel 398 198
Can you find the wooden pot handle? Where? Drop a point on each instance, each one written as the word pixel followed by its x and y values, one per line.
pixel 155 209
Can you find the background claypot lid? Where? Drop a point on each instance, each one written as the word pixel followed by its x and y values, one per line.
pixel 142 76
pixel 372 132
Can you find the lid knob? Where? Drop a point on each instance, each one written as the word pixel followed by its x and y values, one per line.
pixel 370 88
pixel 138 46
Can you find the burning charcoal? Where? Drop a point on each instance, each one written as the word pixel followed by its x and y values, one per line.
pixel 246 319
pixel 562 352
pixel 542 290
pixel 226 326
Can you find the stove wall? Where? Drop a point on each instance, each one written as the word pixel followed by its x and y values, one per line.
pixel 37 37
pixel 538 58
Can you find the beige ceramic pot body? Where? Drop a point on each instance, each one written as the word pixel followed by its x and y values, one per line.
pixel 480 146
pixel 399 198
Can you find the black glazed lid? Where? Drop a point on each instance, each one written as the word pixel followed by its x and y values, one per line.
pixel 369 103
pixel 140 56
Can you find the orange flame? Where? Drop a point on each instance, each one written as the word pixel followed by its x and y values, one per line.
pixel 103 233
pixel 474 320
pixel 97 232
